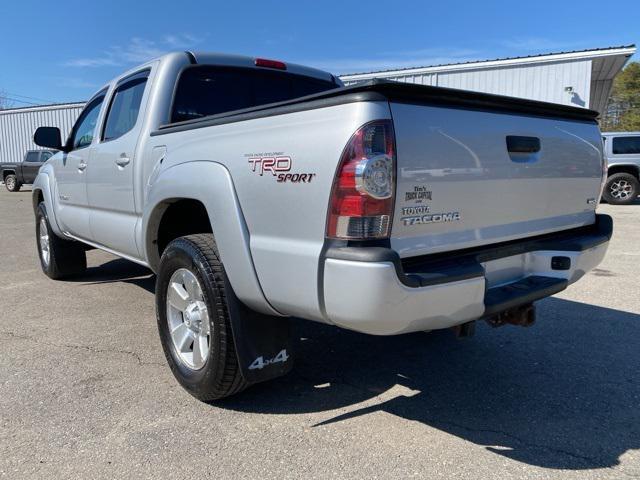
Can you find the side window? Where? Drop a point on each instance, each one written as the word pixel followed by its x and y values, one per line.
pixel 44 156
pixel 626 145
pixel 85 127
pixel 32 157
pixel 124 108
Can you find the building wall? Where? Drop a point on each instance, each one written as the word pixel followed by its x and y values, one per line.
pixel 544 81
pixel 17 127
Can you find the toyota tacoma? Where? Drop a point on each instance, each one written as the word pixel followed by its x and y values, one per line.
pixel 260 191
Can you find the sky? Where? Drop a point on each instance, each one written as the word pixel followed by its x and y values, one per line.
pixel 60 51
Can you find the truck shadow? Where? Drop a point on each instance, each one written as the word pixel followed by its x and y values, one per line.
pixel 118 270
pixel 562 394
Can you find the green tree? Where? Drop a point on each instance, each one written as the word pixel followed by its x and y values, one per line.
pixel 623 108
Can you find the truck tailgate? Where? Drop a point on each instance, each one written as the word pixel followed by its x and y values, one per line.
pixel 474 176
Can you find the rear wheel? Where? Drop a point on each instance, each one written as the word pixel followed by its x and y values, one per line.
pixel 621 189
pixel 193 318
pixel 59 258
pixel 11 182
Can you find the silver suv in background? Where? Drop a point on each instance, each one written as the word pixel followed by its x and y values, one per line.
pixel 622 151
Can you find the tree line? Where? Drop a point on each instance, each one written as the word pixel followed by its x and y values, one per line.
pixel 623 109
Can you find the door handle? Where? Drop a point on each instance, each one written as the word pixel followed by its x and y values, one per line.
pixel 123 160
pixel 523 149
pixel 519 144
pixel 82 166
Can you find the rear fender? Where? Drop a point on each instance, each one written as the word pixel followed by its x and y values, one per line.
pixel 624 167
pixel 211 184
pixel 7 172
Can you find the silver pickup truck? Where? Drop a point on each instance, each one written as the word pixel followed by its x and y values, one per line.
pixel 259 191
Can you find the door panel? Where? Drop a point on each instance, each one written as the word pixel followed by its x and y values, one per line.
pixel 110 195
pixel 30 166
pixel 72 212
pixel 70 172
pixel 110 175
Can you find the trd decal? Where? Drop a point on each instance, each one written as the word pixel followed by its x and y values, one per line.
pixel 270 164
pixel 279 166
pixel 295 177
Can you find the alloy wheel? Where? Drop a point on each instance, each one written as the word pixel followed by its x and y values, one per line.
pixel 188 319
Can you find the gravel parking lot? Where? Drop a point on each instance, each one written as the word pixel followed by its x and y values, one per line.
pixel 85 391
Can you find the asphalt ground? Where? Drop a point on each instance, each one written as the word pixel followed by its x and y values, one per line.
pixel 85 391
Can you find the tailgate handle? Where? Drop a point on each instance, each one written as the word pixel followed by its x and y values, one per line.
pixel 519 144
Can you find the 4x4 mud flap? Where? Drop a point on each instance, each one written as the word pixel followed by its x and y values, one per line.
pixel 264 343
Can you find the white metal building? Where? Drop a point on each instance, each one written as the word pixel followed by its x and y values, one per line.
pixel 17 126
pixel 580 78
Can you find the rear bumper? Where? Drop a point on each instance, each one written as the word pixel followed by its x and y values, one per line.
pixel 370 290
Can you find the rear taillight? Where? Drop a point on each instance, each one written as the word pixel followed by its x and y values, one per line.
pixel 361 204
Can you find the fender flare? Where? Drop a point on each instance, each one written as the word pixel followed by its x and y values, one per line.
pixel 211 184
pixel 43 184
pixel 624 164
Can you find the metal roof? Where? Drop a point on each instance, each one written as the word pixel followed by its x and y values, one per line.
pixel 625 50
pixel 51 106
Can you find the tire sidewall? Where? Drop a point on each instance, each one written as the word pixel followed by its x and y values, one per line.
pixel 183 254
pixel 620 176
pixel 13 181
pixel 42 213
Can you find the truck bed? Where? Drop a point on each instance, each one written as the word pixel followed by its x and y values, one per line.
pixel 388 90
pixel 458 186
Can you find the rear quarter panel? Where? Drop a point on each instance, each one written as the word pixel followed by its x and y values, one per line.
pixel 286 220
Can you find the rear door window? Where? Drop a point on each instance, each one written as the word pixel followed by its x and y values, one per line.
pixel 32 157
pixel 125 106
pixel 626 145
pixel 205 90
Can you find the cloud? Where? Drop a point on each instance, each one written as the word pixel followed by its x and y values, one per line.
pixel 182 41
pixel 138 50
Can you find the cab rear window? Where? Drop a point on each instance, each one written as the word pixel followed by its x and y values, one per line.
pixel 205 90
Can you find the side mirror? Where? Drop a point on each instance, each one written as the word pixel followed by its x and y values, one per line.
pixel 48 137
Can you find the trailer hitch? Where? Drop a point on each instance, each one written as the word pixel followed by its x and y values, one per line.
pixel 523 316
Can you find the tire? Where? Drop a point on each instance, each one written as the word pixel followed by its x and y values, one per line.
pixel 217 374
pixel 621 189
pixel 59 258
pixel 12 184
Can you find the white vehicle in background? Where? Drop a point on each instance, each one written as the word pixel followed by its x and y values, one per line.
pixel 259 191
pixel 622 151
